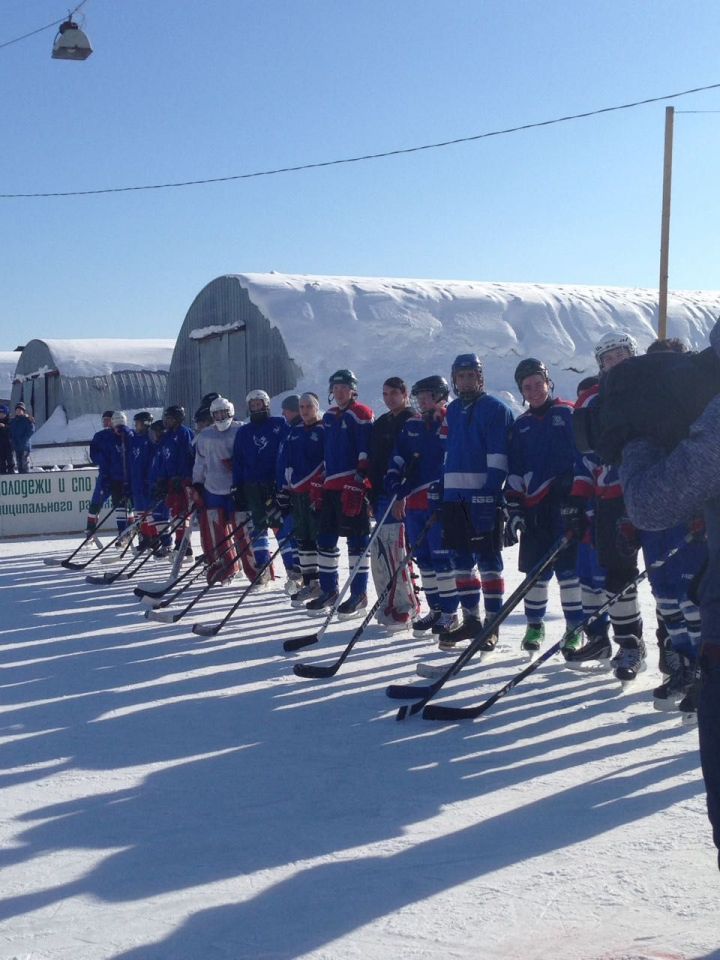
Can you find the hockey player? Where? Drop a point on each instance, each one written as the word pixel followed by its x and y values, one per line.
pixel 141 451
pixel 541 468
pixel 290 409
pixel 175 470
pixel 344 509
pixel 212 483
pixel 120 470
pixel 100 447
pixel 597 488
pixel 160 512
pixel 414 473
pixel 300 467
pixel 477 427
pixel 389 547
pixel 255 454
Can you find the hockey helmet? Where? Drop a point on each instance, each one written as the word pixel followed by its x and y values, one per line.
pixel 258 395
pixel 435 384
pixel 118 419
pixel 529 367
pixel 208 399
pixel 174 412
pixel 222 412
pixel 612 341
pixel 346 377
pixel 143 416
pixel 202 415
pixel 466 361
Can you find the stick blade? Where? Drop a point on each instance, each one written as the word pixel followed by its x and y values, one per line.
pixel 99 579
pixel 404 691
pixel 297 643
pixel 53 561
pixel 437 711
pixel 163 616
pixel 73 564
pixel 311 671
pixel 150 602
pixel 207 629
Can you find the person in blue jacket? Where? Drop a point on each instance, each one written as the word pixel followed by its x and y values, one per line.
pixel 477 430
pixel 142 451
pixel 541 471
pixel 255 458
pixel 100 452
pixel 22 427
pixel 177 456
pixel 120 470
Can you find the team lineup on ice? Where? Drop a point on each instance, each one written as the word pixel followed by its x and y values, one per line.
pixel 457 519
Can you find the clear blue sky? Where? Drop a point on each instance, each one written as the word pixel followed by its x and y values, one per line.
pixel 180 90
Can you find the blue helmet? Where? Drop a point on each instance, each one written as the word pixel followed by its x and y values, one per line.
pixel 466 361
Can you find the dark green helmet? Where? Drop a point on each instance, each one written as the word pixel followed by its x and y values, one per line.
pixel 344 376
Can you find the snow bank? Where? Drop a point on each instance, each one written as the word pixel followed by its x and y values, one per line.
pixel 381 327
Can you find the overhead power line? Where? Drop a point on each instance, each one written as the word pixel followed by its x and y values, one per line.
pixel 55 23
pixel 367 156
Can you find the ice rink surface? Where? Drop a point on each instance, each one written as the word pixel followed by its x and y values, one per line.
pixel 168 797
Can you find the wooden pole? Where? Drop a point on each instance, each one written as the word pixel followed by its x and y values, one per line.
pixel 665 227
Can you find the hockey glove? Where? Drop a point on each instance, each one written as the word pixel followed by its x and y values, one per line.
pixel 627 542
pixel 352 497
pixel 177 485
pixel 160 489
pixel 574 518
pixel 282 502
pixel 239 498
pixel 514 524
pixel 198 494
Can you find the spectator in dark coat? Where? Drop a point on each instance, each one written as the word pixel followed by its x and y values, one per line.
pixel 7 462
pixel 22 427
pixel 663 489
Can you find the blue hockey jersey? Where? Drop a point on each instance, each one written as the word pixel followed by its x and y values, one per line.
pixel 476 458
pixel 255 451
pixel 177 453
pixel 417 459
pixel 301 458
pixel 347 442
pixel 542 452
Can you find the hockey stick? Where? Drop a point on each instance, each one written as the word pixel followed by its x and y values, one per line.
pixel 89 536
pixel 125 572
pixel 314 670
pixel 166 616
pixel 425 692
pixel 438 711
pixel 297 643
pixel 158 590
pixel 213 629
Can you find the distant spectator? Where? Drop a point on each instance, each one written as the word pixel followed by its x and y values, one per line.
pixel 22 427
pixel 7 462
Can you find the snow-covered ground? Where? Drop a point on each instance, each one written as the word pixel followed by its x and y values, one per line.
pixel 166 797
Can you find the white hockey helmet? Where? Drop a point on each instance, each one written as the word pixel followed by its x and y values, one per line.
pixel 222 412
pixel 119 419
pixel 612 341
pixel 258 395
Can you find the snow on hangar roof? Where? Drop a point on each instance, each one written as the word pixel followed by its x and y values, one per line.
pixel 94 358
pixel 385 326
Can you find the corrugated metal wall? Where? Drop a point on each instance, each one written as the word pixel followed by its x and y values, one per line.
pixel 233 362
pixel 124 390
